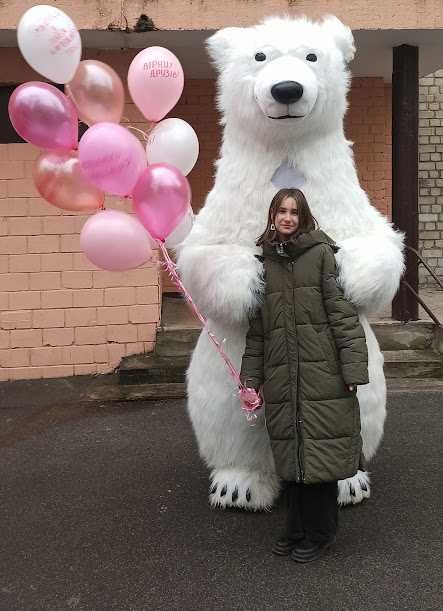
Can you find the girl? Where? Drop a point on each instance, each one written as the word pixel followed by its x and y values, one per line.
pixel 306 347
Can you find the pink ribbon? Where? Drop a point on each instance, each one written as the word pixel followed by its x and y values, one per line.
pixel 250 400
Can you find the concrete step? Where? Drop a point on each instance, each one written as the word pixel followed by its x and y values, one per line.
pixel 413 364
pixel 173 341
pixel 397 335
pixel 153 369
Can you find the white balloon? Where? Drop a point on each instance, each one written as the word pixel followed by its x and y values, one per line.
pixel 173 141
pixel 181 231
pixel 50 42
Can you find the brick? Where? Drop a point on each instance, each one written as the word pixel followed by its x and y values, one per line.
pixel 46 356
pixel 4 228
pixel 147 294
pixel 32 373
pixel 14 207
pixel 88 298
pixel 18 319
pixel 4 264
pixel 4 339
pixel 24 226
pixel 134 348
pixel 86 369
pixel 13 245
pixel 112 316
pixel 136 277
pixel 77 279
pixel 57 299
pixel 20 187
pixel 44 243
pixel 119 296
pixel 38 207
pixel 116 353
pixel 146 332
pixel 45 280
pixel 62 225
pixel 17 357
pixel 4 301
pixel 104 368
pixel 47 319
pixel 81 262
pixel 144 313
pixel 122 333
pixel 9 169
pixel 20 151
pixel 14 282
pixel 90 335
pixel 78 354
pixel 26 338
pixel 24 263
pixel 101 353
pixel 81 317
pixel 70 243
pixel 56 262
pixel 58 337
pixel 25 300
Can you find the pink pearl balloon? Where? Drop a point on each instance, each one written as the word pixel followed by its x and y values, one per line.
pixel 44 116
pixel 115 241
pixel 161 198
pixel 111 158
pixel 155 82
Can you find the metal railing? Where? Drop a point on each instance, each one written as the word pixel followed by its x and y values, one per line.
pixel 426 308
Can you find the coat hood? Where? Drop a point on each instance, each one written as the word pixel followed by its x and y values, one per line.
pixel 295 246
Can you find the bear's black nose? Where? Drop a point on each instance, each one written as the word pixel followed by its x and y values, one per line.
pixel 287 92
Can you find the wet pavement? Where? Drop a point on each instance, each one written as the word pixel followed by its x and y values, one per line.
pixel 104 506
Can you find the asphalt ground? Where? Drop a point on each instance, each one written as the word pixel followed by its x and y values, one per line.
pixel 105 507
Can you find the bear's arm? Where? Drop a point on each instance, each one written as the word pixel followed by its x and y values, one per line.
pixel 225 280
pixel 343 319
pixel 370 268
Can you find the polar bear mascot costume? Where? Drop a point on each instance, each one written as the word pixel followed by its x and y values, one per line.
pixel 282 96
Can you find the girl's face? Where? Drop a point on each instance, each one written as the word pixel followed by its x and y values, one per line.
pixel 286 218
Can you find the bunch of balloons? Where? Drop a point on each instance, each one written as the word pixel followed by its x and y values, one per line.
pixel 108 159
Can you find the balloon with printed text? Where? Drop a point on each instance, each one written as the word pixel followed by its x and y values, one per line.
pixel 49 42
pixel 111 158
pixel 155 82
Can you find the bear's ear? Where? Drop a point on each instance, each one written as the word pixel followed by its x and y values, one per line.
pixel 342 36
pixel 221 44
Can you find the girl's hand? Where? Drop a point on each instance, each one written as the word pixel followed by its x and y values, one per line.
pixel 351 387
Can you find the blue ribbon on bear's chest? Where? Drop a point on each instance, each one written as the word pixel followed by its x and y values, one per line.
pixel 286 176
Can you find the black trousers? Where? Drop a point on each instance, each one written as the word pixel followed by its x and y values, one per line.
pixel 311 510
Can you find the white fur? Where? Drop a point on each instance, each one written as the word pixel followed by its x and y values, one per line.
pixel 217 260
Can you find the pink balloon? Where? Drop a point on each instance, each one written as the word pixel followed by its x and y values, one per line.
pixel 111 158
pixel 44 116
pixel 155 81
pixel 115 241
pixel 161 198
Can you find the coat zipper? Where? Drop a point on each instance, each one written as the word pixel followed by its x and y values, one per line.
pixel 297 407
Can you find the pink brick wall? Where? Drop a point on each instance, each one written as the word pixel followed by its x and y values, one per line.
pixel 59 315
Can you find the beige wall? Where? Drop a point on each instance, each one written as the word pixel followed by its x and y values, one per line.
pixel 213 14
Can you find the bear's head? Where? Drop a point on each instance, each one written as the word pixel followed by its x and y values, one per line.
pixel 285 76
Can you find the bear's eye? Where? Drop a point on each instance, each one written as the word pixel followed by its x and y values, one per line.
pixel 260 57
pixel 311 57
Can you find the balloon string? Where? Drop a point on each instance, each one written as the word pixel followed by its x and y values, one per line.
pixel 249 398
pixel 140 131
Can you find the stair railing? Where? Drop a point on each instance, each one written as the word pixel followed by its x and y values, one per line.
pixel 426 308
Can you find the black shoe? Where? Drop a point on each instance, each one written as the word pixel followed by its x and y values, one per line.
pixel 285 545
pixel 307 551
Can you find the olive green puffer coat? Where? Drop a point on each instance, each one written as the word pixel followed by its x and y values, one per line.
pixel 304 345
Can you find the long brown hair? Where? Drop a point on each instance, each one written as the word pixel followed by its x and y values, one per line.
pixel 306 221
